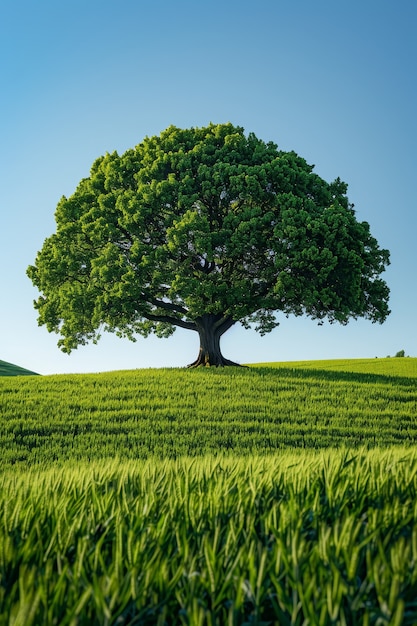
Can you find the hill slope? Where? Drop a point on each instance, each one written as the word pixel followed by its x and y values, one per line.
pixel 8 369
pixel 256 528
pixel 173 412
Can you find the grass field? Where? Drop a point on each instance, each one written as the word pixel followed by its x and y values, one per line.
pixel 169 413
pixel 275 494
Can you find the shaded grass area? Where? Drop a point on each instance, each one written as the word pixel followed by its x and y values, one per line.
pixel 240 411
pixel 389 367
pixel 326 537
pixel 8 369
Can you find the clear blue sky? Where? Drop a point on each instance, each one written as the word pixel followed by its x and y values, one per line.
pixel 334 81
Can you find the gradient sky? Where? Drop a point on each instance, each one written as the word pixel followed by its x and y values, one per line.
pixel 334 81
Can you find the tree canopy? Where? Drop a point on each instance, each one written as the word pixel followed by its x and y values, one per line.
pixel 202 228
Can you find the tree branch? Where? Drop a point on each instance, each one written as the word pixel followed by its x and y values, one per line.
pixel 223 324
pixel 167 319
pixel 168 306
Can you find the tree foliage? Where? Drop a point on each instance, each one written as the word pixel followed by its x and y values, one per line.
pixel 202 228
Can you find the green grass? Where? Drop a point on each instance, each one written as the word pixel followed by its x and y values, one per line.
pixel 275 494
pixel 169 413
pixel 318 538
pixel 396 367
pixel 8 369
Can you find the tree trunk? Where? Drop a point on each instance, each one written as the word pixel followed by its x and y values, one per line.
pixel 210 328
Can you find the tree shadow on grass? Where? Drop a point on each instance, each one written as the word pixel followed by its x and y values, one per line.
pixel 336 376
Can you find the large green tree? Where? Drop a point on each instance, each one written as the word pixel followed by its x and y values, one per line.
pixel 203 228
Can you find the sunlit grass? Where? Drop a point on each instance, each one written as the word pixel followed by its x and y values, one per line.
pixel 323 537
pixel 173 412
pixel 282 494
pixel 386 367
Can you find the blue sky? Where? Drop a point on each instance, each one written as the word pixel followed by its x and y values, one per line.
pixel 334 81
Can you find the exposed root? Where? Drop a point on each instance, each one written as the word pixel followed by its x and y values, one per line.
pixel 204 361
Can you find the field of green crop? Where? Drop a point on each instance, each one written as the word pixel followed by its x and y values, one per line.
pixel 266 495
pixel 290 538
pixel 169 413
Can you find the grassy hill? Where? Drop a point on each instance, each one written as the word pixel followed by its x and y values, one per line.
pixel 275 494
pixel 8 369
pixel 174 412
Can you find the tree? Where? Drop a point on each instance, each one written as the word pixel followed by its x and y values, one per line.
pixel 203 228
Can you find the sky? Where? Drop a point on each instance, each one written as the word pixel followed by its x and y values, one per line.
pixel 333 81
